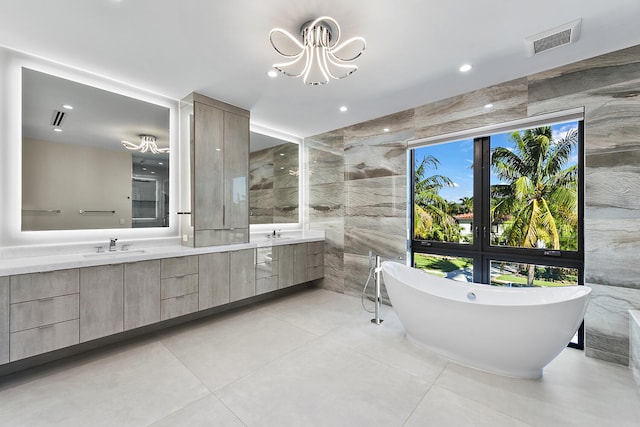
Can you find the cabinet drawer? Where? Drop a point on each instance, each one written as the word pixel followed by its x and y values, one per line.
pixel 314 260
pixel 43 339
pixel 177 286
pixel 266 284
pixel 34 286
pixel 178 306
pixel 315 272
pixel 181 266
pixel 266 254
pixel 315 247
pixel 31 314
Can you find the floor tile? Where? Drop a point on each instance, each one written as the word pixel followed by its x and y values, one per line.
pixel 205 412
pixel 324 384
pixel 444 408
pixel 131 387
pixel 230 347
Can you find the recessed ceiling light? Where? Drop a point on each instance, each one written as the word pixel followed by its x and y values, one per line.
pixel 488 105
pixel 282 154
pixel 144 169
pixel 152 171
pixel 343 108
pixel 272 73
pixel 218 149
pixel 68 107
pixel 57 130
pixel 386 129
pixel 464 68
pixel 161 163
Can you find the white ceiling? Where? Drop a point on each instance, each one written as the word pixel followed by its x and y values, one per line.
pixel 221 48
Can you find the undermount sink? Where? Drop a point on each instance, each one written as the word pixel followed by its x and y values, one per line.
pixel 114 253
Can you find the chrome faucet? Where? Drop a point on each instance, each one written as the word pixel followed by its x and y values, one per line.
pixel 112 244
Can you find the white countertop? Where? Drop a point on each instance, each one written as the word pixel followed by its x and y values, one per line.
pixel 48 258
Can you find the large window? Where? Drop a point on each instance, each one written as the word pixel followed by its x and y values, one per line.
pixel 503 209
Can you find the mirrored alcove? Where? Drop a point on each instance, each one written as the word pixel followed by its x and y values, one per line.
pixel 77 173
pixel 274 176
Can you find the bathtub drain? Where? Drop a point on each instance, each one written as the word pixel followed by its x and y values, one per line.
pixel 471 296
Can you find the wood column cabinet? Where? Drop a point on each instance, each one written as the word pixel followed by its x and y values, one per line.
pixel 43 312
pixel 141 293
pixel 242 274
pixel 101 301
pixel 219 141
pixel 213 276
pixel 4 320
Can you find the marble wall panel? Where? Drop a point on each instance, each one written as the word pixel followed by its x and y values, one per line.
pixel 467 111
pixel 634 344
pixel 261 206
pixel 607 322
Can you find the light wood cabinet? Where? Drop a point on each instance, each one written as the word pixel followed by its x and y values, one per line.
pixel 299 263
pixel 213 279
pixel 178 286
pixel 242 274
pixel 285 265
pixel 4 320
pixel 141 293
pixel 43 312
pixel 219 143
pixel 101 301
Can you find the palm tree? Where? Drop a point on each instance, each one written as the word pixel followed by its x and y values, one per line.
pixel 541 194
pixel 431 211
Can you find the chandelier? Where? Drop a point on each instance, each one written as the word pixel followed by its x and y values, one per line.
pixel 320 56
pixel 147 143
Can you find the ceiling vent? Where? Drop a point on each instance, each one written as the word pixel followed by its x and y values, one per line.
pixel 556 37
pixel 58 117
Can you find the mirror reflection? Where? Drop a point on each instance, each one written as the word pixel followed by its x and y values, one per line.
pixel 77 172
pixel 273 180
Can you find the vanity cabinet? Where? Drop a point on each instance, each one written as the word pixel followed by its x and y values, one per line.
pixel 213 279
pixel 242 274
pixel 219 144
pixel 141 293
pixel 102 301
pixel 4 320
pixel 178 286
pixel 43 312
pixel 299 263
pixel 285 265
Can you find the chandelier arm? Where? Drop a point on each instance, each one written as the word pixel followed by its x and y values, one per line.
pixel 286 33
pixel 280 66
pixel 320 64
pixel 349 67
pixel 336 49
pixel 132 146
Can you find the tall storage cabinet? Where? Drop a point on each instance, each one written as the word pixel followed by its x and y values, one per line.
pixel 219 152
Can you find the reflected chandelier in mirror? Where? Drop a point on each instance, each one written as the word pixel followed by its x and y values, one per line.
pixel 76 171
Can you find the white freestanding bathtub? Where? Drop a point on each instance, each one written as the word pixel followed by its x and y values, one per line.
pixel 508 331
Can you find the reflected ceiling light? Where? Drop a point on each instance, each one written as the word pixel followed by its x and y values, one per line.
pixel 147 143
pixel 67 106
pixel 320 56
pixel 386 129
pixel 57 130
pixel 343 108
pixel 272 73
pixel 488 105
pixel 464 68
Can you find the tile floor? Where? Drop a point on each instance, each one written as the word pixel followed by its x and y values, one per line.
pixel 308 359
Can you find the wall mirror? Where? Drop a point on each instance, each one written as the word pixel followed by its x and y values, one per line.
pixel 273 180
pixel 77 173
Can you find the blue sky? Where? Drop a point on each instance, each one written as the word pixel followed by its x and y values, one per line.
pixel 457 157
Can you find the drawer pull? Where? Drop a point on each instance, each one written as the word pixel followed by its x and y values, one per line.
pixel 45 326
pixel 180 297
pixel 45 299
pixel 180 277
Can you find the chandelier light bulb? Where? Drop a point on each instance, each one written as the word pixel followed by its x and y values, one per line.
pixel 320 56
